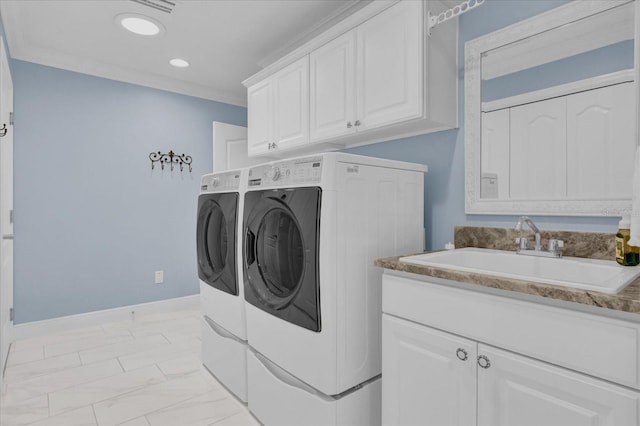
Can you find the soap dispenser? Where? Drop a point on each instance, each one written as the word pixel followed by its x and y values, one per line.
pixel 625 254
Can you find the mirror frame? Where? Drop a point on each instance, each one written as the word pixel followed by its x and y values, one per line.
pixel 474 49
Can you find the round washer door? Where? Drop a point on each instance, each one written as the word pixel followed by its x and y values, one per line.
pixel 216 240
pixel 281 254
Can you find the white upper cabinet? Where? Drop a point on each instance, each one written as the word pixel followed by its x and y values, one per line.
pixel 375 76
pixel 389 73
pixel 370 76
pixel 278 110
pixel 291 105
pixel 260 100
pixel 333 88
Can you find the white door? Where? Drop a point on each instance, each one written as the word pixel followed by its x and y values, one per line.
pixel 428 377
pixel 229 147
pixel 332 69
pixel 389 67
pixel 6 207
pixel 515 390
pixel 291 105
pixel 260 117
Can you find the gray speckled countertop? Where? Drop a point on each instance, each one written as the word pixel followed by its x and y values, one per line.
pixel 627 301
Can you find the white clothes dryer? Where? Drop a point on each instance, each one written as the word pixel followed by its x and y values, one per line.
pixel 313 227
pixel 218 243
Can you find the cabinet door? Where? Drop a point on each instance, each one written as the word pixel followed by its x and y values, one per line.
pixel 333 88
pixel 601 136
pixel 291 105
pixel 538 150
pixel 390 64
pixel 260 117
pixel 424 382
pixel 518 391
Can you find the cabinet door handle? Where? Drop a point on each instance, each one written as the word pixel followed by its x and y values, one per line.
pixel 484 362
pixel 356 123
pixel 349 125
pixel 462 354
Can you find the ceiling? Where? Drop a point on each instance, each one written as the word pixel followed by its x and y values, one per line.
pixel 225 41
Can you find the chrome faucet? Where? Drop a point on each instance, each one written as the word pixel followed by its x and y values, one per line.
pixel 534 228
pixel 554 248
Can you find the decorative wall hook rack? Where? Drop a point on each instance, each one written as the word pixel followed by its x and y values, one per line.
pixel 3 130
pixel 170 158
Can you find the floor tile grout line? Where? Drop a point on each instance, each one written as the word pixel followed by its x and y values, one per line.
pixel 95 380
pixel 11 354
pixel 138 388
pixel 95 417
pixel 217 422
pixel 45 374
pixel 122 366
pixel 128 353
pixel 174 405
pixel 88 348
pixel 70 386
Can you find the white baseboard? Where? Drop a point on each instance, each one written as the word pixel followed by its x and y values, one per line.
pixel 124 313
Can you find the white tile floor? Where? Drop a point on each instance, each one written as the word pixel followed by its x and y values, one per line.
pixel 143 372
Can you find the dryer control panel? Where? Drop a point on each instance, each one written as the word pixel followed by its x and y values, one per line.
pixel 220 181
pixel 288 172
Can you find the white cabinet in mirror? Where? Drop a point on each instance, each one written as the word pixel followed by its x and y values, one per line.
pixel 550 123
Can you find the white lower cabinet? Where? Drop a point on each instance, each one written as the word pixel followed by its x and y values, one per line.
pixel 430 377
pixel 516 390
pixel 450 375
pixel 423 381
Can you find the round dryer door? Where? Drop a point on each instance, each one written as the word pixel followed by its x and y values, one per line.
pixel 216 240
pixel 281 254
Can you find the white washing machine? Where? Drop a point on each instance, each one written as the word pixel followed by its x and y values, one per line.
pixel 218 242
pixel 313 227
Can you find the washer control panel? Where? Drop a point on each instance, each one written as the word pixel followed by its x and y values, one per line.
pixel 288 172
pixel 220 181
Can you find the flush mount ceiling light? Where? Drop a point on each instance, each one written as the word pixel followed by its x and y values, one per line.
pixel 179 63
pixel 140 24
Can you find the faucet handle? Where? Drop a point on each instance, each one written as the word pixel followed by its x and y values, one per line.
pixel 523 243
pixel 555 246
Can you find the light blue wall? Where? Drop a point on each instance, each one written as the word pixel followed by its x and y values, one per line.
pixel 443 152
pixel 92 221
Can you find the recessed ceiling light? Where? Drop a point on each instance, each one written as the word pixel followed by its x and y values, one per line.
pixel 179 63
pixel 139 24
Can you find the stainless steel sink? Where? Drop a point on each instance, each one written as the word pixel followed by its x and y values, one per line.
pixel 604 276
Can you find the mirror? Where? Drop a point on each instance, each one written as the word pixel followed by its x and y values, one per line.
pixel 550 113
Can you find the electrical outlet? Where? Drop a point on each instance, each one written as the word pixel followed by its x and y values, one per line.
pixel 159 277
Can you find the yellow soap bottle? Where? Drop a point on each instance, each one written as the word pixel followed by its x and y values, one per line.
pixel 625 254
